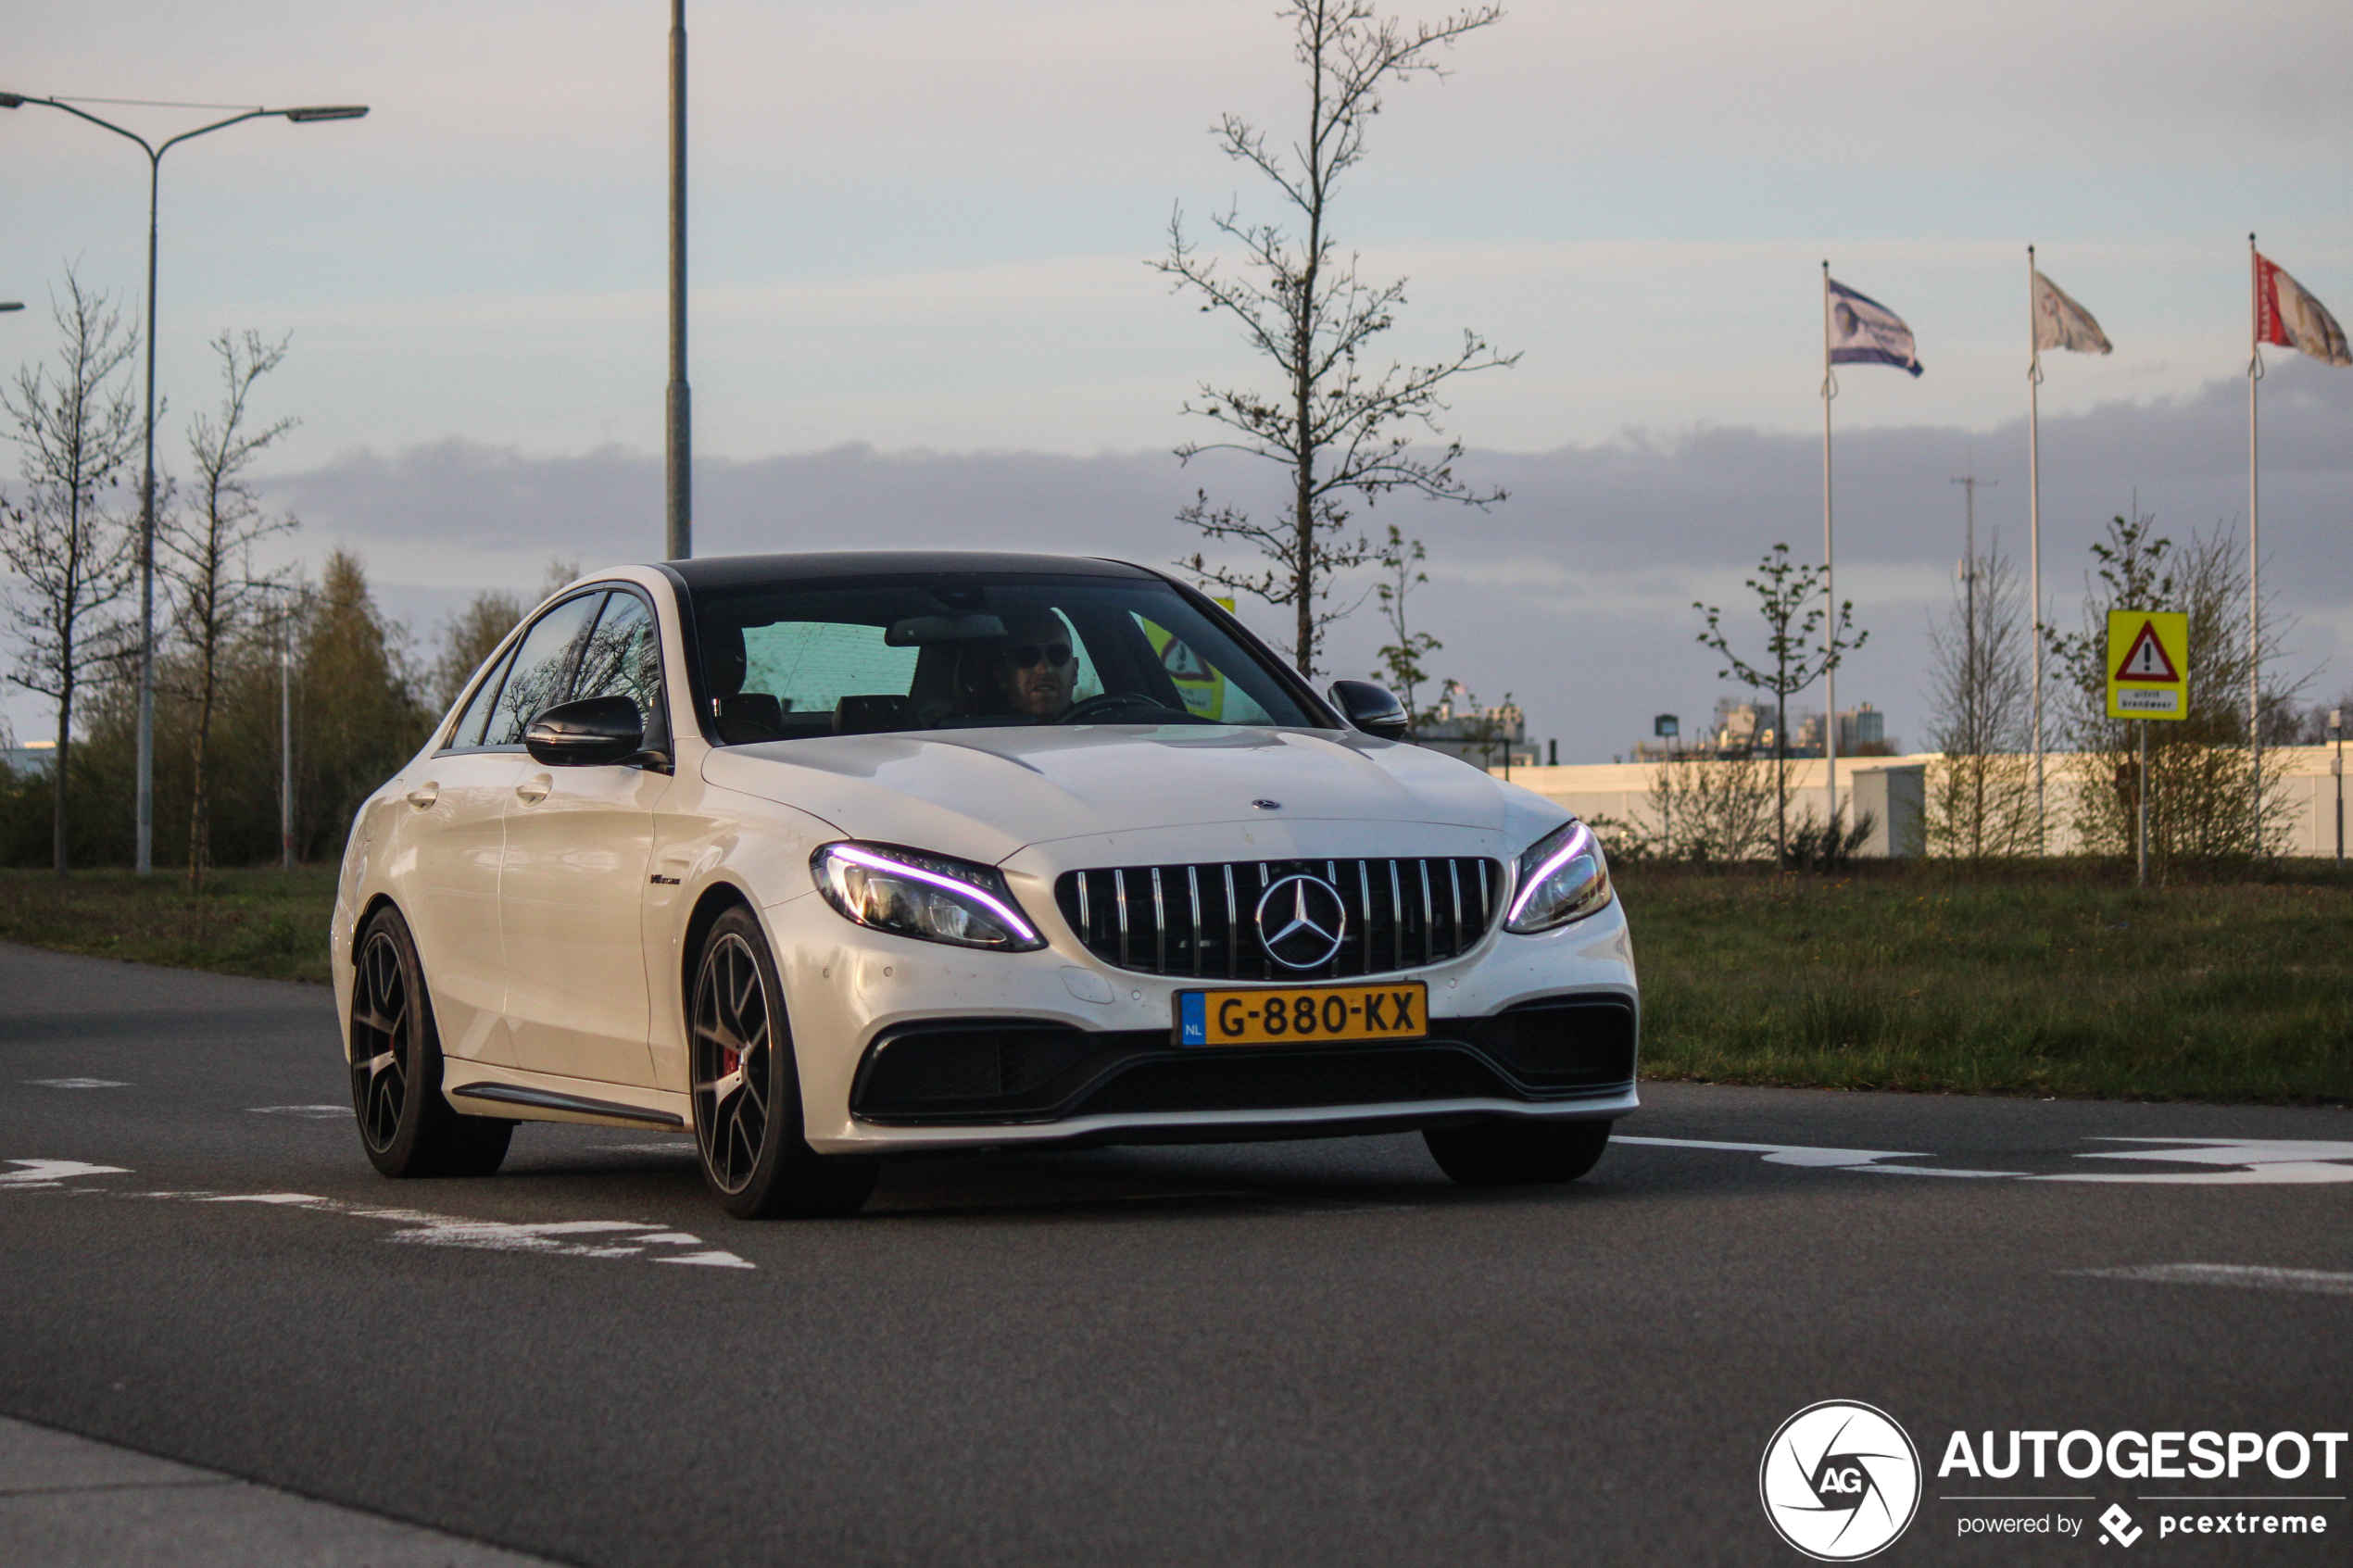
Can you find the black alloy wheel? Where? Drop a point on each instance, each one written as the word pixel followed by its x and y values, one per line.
pixel 405 1125
pixel 1517 1153
pixel 746 1089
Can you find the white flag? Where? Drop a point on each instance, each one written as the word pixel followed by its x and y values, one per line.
pixel 2059 322
pixel 1864 331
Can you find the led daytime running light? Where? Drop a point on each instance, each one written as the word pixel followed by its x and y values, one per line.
pixel 1579 841
pixel 1005 913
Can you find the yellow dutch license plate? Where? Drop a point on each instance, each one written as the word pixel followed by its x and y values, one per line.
pixel 1304 1015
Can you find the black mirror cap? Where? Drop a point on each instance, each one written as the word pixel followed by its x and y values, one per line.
pixel 1372 708
pixel 592 730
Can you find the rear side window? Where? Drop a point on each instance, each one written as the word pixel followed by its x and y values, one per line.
pixel 809 666
pixel 541 672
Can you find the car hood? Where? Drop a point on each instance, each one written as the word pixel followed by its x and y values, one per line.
pixel 984 794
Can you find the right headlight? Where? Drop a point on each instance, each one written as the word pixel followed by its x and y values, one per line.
pixel 933 897
pixel 1563 877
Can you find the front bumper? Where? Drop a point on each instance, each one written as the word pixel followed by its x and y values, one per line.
pixel 907 1045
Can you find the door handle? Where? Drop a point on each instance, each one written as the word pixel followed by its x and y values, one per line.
pixel 534 790
pixel 424 795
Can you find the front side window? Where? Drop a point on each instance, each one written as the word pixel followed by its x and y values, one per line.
pixel 788 661
pixel 541 670
pixel 622 655
pixel 467 732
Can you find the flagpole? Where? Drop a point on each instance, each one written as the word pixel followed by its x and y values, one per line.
pixel 2254 557
pixel 2035 530
pixel 1830 587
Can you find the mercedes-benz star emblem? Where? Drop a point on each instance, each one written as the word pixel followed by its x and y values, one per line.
pixel 1301 922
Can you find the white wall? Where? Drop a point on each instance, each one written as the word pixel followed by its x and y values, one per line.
pixel 1623 790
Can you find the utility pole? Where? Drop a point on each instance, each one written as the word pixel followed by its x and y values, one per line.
pixel 679 535
pixel 285 740
pixel 1968 484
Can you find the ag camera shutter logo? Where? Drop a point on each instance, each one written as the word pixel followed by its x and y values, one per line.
pixel 1841 1481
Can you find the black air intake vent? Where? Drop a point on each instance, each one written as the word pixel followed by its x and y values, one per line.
pixel 1196 920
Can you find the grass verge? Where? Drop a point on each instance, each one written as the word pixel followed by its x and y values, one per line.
pixel 2050 980
pixel 267 923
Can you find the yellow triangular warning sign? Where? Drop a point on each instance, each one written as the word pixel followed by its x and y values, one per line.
pixel 2145 660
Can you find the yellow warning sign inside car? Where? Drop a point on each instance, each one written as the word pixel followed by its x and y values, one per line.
pixel 2148 664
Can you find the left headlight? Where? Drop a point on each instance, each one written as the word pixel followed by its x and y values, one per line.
pixel 1563 877
pixel 933 897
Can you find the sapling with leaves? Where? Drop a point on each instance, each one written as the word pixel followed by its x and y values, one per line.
pixel 1803 642
pixel 1401 660
pixel 1339 428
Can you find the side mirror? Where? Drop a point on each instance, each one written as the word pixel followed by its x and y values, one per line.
pixel 592 730
pixel 1374 709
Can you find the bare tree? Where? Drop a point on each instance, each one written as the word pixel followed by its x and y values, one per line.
pixel 1981 795
pixel 1337 428
pixel 207 557
pixel 1801 646
pixel 1401 667
pixel 72 555
pixel 1711 809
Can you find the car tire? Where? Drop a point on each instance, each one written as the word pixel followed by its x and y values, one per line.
pixel 405 1125
pixel 1486 1154
pixel 746 1089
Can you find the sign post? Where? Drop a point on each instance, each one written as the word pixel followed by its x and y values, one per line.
pixel 2148 677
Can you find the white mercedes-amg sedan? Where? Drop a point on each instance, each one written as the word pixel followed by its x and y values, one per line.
pixel 822 859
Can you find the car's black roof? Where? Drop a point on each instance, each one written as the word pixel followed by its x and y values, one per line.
pixel 735 571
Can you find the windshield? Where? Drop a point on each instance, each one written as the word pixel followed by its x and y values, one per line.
pixel 786 661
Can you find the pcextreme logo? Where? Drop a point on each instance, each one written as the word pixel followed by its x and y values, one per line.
pixel 1841 1481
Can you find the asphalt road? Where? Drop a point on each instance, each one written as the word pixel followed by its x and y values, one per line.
pixel 1312 1352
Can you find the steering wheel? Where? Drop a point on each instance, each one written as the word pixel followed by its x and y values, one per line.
pixel 1093 709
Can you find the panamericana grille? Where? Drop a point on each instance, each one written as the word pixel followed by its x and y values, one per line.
pixel 1196 920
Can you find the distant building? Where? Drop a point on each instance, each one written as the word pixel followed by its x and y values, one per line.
pixel 33 757
pixel 1485 737
pixel 1754 729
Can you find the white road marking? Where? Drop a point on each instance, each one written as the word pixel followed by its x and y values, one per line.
pixel 2256 1161
pixel 623 1238
pixel 76 1084
pixel 2318 1280
pixel 2262 1161
pixel 285 1199
pixel 314 1113
pixel 1824 1158
pixel 38 1174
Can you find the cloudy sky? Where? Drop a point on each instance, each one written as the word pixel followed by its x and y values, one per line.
pixel 922 313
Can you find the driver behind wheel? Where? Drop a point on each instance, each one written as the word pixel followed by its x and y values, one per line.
pixel 1027 673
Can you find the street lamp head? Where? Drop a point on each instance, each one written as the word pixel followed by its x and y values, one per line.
pixel 11 100
pixel 11 304
pixel 330 111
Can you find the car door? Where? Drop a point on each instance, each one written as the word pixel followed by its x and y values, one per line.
pixel 453 840
pixel 579 841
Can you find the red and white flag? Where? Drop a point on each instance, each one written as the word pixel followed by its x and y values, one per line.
pixel 2287 316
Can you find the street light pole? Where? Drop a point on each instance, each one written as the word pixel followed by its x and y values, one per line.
pixel 2336 728
pixel 678 445
pixel 145 791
